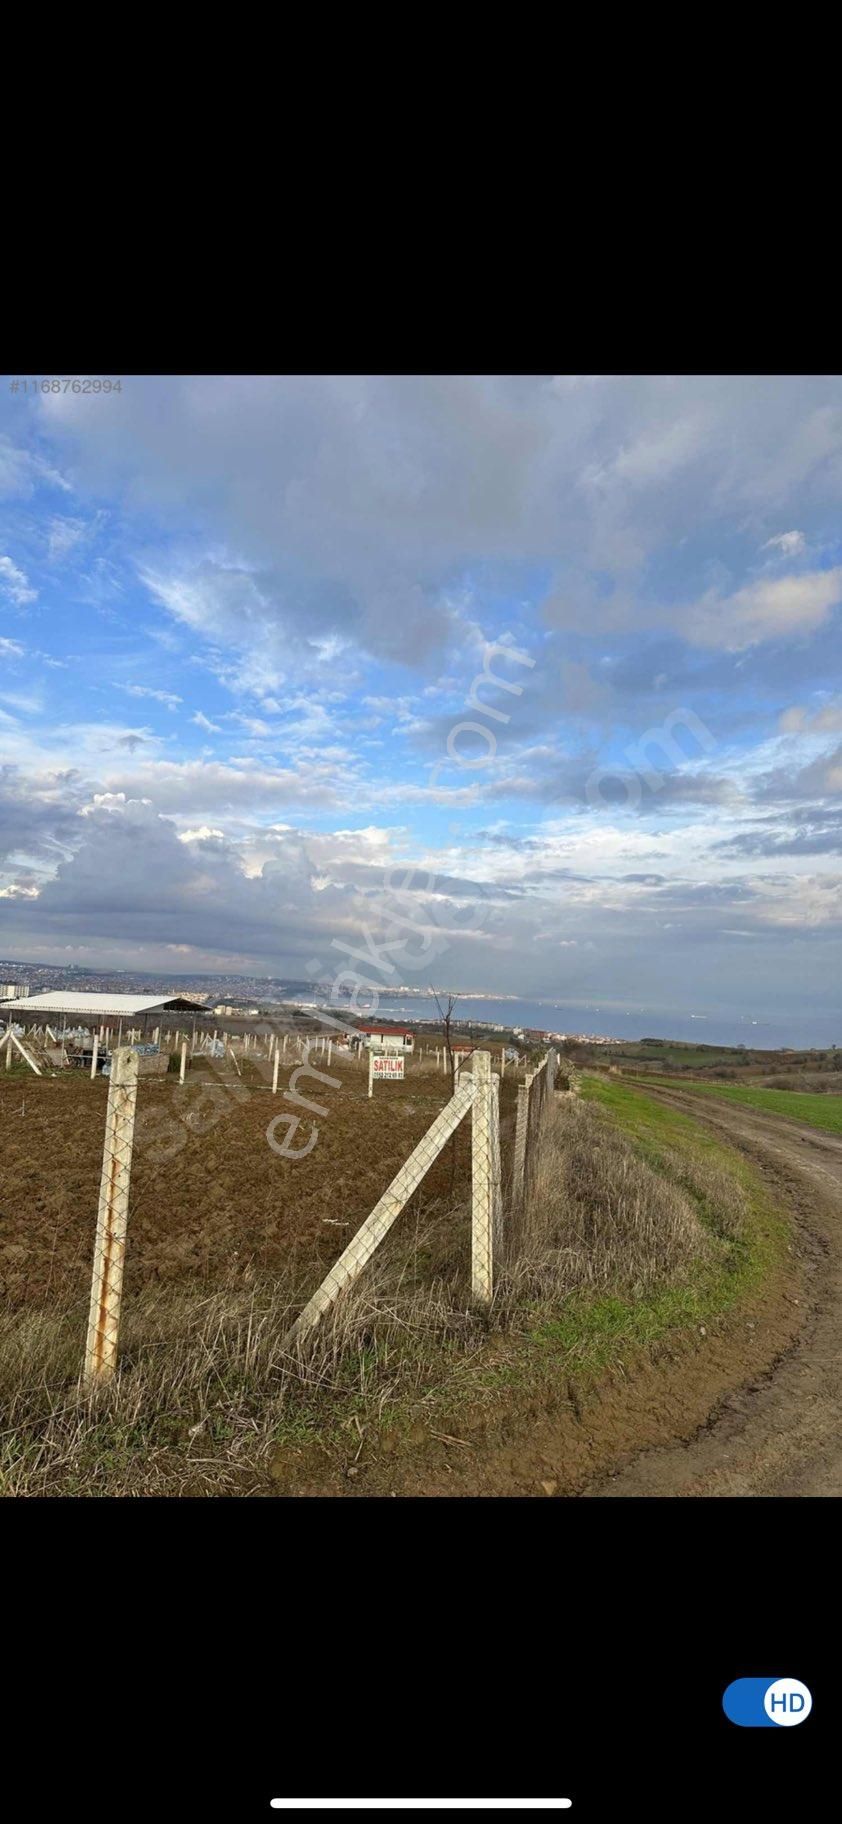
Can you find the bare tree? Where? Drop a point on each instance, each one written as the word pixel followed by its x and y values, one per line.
pixel 446 1017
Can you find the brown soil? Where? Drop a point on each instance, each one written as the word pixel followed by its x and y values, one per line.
pixel 755 1408
pixel 225 1198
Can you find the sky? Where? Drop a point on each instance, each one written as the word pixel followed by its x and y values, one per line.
pixel 244 622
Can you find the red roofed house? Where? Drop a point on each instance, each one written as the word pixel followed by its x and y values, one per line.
pixel 387 1038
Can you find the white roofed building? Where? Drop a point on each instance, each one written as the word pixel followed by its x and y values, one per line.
pixel 60 1001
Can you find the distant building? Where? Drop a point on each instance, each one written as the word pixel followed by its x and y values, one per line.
pixel 387 1038
pixel 99 1007
pixel 12 991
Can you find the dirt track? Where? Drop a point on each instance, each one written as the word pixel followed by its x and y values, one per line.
pixel 783 1434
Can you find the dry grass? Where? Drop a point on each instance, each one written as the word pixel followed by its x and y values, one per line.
pixel 206 1387
pixel 601 1219
pixel 205 1382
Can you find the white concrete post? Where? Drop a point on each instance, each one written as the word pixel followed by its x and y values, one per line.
pixel 350 1264
pixel 27 1058
pixel 277 1067
pixel 371 1074
pixel 329 1050
pixel 9 1050
pixel 496 1176
pixel 482 1183
pixel 94 1056
pixel 183 1060
pixel 521 1127
pixel 112 1219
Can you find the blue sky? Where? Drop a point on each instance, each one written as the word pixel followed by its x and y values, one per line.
pixel 240 619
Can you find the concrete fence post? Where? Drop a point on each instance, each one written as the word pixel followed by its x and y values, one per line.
pixel 482 1182
pixel 350 1264
pixel 276 1068
pixel 94 1056
pixel 371 1073
pixel 112 1219
pixel 496 1176
pixel 183 1060
pixel 521 1128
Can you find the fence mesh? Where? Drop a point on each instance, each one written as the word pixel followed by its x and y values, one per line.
pixel 370 1235
pixel 491 1228
pixel 484 1117
pixel 534 1100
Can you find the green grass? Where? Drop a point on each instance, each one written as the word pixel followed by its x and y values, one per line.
pixel 664 1137
pixel 824 1111
pixel 681 1056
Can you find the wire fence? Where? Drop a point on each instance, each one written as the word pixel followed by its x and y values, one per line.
pixel 494 1217
pixel 360 1249
pixel 478 1092
pixel 534 1099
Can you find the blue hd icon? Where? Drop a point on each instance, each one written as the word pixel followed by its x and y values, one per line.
pixel 767 1703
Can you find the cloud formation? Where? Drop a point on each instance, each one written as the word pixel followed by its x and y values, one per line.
pixel 300 580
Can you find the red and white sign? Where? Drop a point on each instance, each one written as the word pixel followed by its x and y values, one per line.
pixel 386 1066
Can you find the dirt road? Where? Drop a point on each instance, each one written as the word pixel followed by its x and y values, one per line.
pixel 781 1435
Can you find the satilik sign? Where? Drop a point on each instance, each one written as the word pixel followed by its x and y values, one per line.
pixel 384 1064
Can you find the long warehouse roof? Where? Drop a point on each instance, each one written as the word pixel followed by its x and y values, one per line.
pixel 122 1005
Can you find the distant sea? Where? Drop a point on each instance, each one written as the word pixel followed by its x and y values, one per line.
pixel 802 1030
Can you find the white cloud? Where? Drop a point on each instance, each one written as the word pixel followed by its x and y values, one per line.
pixel 21 471
pixel 827 719
pixel 790 544
pixel 64 534
pixel 142 690
pixel 763 610
pixel 348 510
pixel 25 701
pixel 15 584
pixel 252 724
